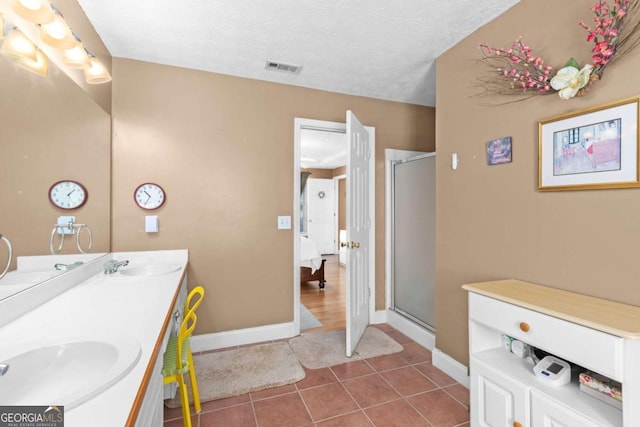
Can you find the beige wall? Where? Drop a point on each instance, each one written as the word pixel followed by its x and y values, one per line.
pixel 319 173
pixel 50 130
pixel 222 147
pixel 492 223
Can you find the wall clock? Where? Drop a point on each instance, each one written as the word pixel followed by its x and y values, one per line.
pixel 68 194
pixel 149 196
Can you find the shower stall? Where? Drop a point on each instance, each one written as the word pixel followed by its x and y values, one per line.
pixel 412 238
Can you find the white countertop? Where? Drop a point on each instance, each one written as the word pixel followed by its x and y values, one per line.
pixel 106 304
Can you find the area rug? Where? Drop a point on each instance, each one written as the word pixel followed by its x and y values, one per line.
pixel 307 319
pixel 322 349
pixel 234 372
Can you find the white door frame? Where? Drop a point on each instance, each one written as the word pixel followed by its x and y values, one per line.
pixel 336 223
pixel 299 124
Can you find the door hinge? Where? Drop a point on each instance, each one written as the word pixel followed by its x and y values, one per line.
pixel 368 222
pixel 368 154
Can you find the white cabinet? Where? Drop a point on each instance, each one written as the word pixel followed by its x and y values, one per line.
pixel 598 335
pixel 549 413
pixel 499 400
pixel 152 409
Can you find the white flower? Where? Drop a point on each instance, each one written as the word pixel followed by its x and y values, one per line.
pixel 569 80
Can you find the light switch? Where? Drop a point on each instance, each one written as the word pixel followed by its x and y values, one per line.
pixel 284 223
pixel 151 223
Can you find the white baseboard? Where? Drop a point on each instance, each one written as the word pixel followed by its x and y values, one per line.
pixel 379 316
pixel 451 367
pixel 236 337
pixel 422 336
pixel 258 334
pixel 440 360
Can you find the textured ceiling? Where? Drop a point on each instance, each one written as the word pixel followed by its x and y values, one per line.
pixel 321 149
pixel 375 48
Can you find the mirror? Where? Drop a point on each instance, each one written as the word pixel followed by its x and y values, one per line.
pixel 50 130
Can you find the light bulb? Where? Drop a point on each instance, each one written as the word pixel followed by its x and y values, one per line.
pixel 76 57
pixel 95 73
pixel 36 11
pixel 17 46
pixel 57 33
pixel 40 66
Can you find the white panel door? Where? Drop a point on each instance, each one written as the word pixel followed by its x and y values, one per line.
pixel 496 400
pixel 321 213
pixel 358 225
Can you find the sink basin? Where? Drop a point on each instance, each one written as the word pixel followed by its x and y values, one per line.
pixel 66 371
pixel 149 269
pixel 17 277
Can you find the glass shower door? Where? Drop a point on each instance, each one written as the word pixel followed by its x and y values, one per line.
pixel 414 225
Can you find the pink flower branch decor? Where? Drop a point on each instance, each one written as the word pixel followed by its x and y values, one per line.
pixel 517 70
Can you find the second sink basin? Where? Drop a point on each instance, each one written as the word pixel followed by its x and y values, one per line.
pixel 17 277
pixel 149 269
pixel 66 371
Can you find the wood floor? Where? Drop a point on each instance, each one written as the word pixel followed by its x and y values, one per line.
pixel 328 305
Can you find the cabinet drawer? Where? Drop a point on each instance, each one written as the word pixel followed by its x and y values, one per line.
pixel 587 347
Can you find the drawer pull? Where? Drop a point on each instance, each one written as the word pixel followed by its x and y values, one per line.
pixel 516 424
pixel 524 327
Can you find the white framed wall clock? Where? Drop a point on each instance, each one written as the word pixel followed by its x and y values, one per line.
pixel 149 196
pixel 68 194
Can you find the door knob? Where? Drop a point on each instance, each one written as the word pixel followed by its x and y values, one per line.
pixel 355 245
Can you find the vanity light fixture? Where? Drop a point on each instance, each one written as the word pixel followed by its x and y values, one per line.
pixel 17 46
pixel 40 66
pixel 1 27
pixel 57 33
pixel 36 11
pixel 96 73
pixel 77 56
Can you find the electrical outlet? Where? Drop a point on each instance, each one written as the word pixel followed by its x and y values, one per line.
pixel 284 223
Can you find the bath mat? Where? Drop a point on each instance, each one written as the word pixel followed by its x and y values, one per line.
pixel 307 319
pixel 234 372
pixel 322 349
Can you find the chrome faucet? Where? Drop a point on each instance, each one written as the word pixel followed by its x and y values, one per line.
pixel 66 267
pixel 112 266
pixel 3 369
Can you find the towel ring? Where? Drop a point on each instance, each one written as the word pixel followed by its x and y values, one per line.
pixel 80 228
pixel 8 243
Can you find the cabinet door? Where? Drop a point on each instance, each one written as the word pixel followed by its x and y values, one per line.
pixel 548 413
pixel 496 400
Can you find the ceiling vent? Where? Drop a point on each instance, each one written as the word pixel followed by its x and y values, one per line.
pixel 280 66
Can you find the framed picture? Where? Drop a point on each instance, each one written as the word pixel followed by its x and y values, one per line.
pixel 590 149
pixel 499 151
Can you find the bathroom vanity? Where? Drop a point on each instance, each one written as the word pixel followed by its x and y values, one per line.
pixel 118 323
pixel 598 335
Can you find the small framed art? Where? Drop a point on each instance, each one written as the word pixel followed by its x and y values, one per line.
pixel 499 151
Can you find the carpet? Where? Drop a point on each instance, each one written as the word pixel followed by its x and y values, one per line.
pixel 307 319
pixel 322 349
pixel 234 372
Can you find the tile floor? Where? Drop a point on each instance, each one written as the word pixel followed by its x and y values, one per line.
pixel 402 389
